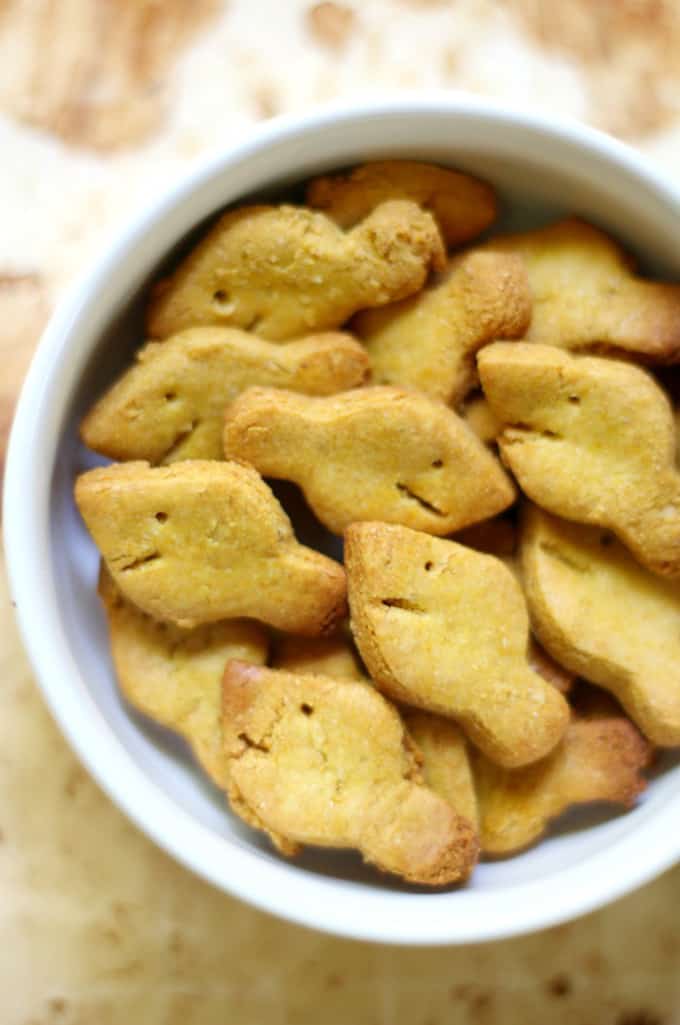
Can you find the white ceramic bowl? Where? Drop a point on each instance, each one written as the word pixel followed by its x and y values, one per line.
pixel 53 565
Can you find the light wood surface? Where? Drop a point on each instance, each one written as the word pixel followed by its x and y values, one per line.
pixel 102 102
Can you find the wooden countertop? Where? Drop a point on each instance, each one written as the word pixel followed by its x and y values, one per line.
pixel 101 103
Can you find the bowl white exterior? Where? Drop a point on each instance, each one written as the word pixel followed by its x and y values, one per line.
pixel 572 165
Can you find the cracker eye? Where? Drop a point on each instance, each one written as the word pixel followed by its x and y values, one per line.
pixel 161 517
pixel 306 709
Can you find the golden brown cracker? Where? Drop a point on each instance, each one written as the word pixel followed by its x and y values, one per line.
pixel 201 541
pixel 586 295
pixel 547 667
pixel 462 206
pixel 174 675
pixel 428 341
pixel 592 440
pixel 499 537
pixel 282 271
pixel 446 762
pixel 599 759
pixel 606 618
pixel 445 628
pixel 374 453
pixel 478 416
pixel 328 763
pixel 333 656
pixel 170 404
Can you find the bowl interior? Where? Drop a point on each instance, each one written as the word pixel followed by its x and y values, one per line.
pixel 539 175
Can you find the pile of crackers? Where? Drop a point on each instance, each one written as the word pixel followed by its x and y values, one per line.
pixel 479 422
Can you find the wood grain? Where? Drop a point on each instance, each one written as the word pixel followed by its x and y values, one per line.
pixel 97 925
pixel 96 73
pixel 23 312
pixel 331 24
pixel 628 51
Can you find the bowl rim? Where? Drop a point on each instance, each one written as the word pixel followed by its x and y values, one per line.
pixel 330 905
